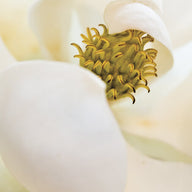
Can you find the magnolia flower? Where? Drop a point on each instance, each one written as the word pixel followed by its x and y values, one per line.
pixel 50 108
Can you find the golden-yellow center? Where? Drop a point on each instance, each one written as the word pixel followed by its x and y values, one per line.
pixel 120 60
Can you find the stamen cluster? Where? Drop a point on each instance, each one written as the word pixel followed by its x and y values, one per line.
pixel 120 60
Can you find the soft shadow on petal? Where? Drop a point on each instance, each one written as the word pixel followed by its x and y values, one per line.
pixel 150 175
pixel 163 118
pixel 5 57
pixel 156 5
pixel 90 13
pixel 178 18
pixel 15 31
pixel 57 132
pixel 7 182
pixel 122 15
pixel 51 22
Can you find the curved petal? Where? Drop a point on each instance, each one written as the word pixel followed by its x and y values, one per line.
pixel 90 13
pixel 51 22
pixel 162 120
pixel 15 31
pixel 178 18
pixel 5 57
pixel 146 174
pixel 57 132
pixel 7 182
pixel 123 15
pixel 156 5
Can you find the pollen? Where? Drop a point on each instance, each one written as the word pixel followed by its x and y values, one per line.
pixel 121 60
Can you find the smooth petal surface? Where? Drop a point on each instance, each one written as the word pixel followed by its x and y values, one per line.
pixel 160 123
pixel 5 57
pixel 8 182
pixel 178 18
pixel 51 22
pixel 90 13
pixel 57 132
pixel 156 5
pixel 15 31
pixel 150 175
pixel 123 15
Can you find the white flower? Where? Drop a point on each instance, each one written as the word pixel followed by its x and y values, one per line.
pixel 50 108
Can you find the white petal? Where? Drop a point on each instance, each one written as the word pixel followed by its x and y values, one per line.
pixel 5 57
pixel 160 123
pixel 15 31
pixel 178 18
pixel 149 175
pixel 90 13
pixel 7 182
pixel 51 22
pixel 57 132
pixel 122 15
pixel 156 5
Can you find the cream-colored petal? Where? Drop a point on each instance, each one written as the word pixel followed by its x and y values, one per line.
pixel 57 132
pixel 160 123
pixel 149 175
pixel 90 13
pixel 15 31
pixel 5 57
pixel 51 22
pixel 178 18
pixel 123 15
pixel 8 182
pixel 156 5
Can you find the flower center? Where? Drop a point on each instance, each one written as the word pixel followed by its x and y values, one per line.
pixel 120 60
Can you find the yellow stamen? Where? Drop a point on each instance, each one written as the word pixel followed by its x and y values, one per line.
pixel 119 59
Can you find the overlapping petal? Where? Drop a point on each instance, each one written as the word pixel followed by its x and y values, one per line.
pixel 40 101
pixel 51 22
pixel 161 122
pixel 5 57
pixel 57 132
pixel 146 174
pixel 90 13
pixel 15 31
pixel 123 15
pixel 8 182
